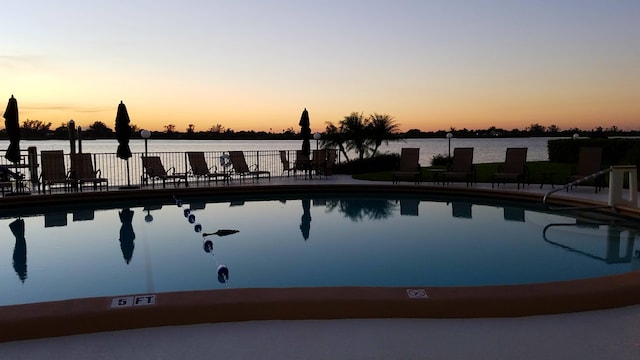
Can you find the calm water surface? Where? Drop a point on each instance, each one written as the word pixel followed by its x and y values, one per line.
pixel 487 150
pixel 301 241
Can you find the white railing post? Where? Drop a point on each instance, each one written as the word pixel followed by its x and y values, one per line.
pixel 616 185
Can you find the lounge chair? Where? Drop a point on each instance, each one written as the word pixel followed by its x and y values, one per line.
pixel 54 171
pixel 409 166
pixel 589 163
pixel 155 171
pixel 82 172
pixel 319 162
pixel 303 163
pixel 201 170
pixel 286 164
pixel 513 169
pixel 6 177
pixel 461 167
pixel 4 185
pixel 243 170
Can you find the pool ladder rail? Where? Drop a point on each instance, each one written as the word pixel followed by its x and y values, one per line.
pixel 616 186
pixel 614 240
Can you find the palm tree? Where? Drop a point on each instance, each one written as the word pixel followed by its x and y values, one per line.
pixel 334 138
pixel 381 129
pixel 354 129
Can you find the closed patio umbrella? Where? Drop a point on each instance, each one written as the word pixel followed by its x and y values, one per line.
pixel 13 131
pixel 123 133
pixel 305 131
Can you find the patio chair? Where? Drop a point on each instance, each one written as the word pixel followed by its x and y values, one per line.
pixel 513 169
pixel 589 163
pixel 6 176
pixel 461 167
pixel 155 171
pixel 54 172
pixel 409 166
pixel 286 164
pixel 319 162
pixel 240 167
pixel 4 185
pixel 82 172
pixel 303 163
pixel 201 170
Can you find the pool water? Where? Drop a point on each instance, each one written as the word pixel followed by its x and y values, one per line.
pixel 302 241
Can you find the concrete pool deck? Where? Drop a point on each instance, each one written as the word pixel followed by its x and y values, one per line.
pixel 613 333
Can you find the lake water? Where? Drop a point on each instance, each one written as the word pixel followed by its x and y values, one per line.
pixel 486 149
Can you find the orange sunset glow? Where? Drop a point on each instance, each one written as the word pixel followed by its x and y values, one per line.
pixel 253 65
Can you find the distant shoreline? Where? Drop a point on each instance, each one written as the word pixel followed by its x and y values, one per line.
pixel 298 137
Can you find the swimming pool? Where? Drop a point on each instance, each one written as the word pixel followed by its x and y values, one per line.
pixel 299 241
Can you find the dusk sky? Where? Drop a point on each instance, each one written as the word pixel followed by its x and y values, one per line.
pixel 255 65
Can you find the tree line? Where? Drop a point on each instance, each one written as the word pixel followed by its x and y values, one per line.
pixel 363 134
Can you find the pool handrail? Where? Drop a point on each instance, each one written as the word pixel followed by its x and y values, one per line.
pixel 631 226
pixel 574 183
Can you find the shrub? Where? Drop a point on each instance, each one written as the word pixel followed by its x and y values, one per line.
pixel 440 160
pixel 384 162
pixel 616 151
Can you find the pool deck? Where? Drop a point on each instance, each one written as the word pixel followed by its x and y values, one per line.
pixel 600 334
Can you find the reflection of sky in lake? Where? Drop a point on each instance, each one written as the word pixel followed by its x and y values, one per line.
pixel 368 242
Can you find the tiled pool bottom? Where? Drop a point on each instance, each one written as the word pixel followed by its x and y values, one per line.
pixel 331 302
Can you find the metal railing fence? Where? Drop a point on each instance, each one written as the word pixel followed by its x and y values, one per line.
pixel 131 172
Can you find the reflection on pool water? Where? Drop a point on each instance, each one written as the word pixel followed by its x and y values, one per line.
pixel 303 241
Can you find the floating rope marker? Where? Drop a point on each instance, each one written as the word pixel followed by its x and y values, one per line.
pixel 223 273
pixel 221 232
pixel 208 246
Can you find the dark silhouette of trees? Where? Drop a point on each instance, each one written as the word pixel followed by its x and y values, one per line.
pixel 34 128
pixel 353 127
pixel 334 138
pixel 354 132
pixel 101 130
pixel 361 135
pixel 381 129
pixel 536 129
pixel 217 129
